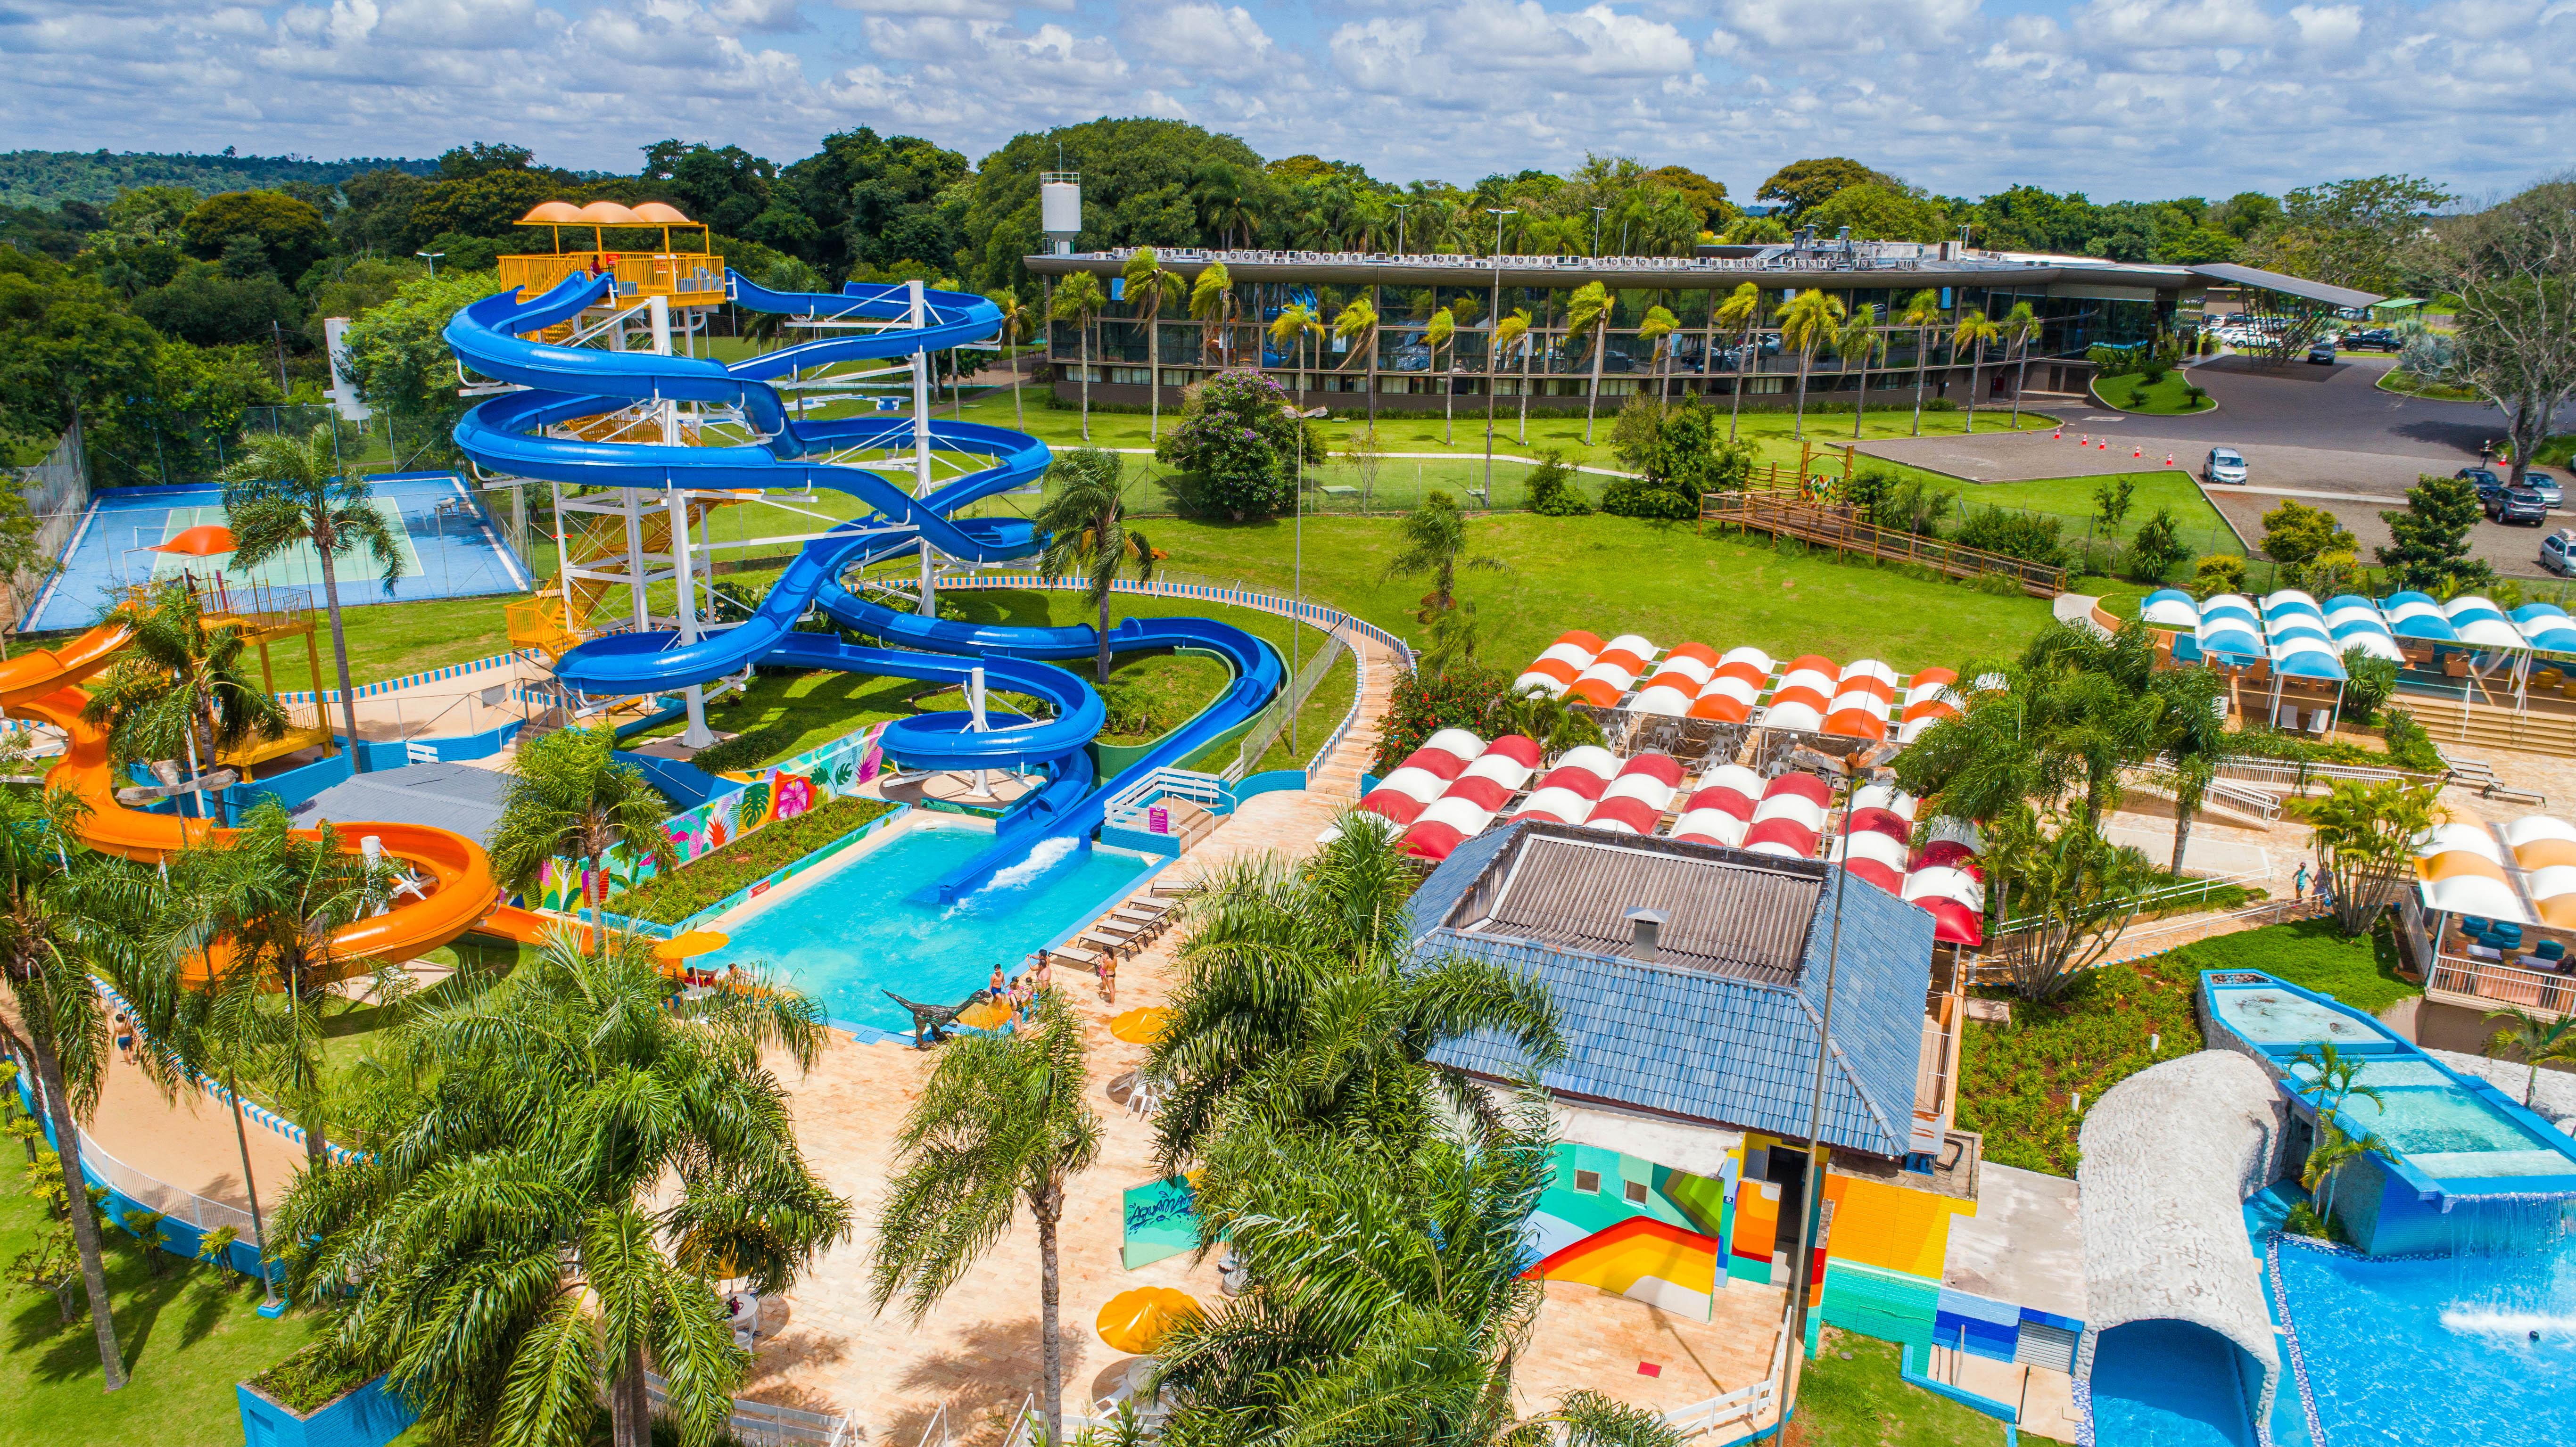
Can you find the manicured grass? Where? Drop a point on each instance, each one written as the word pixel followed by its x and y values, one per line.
pixel 1612 575
pixel 2071 500
pixel 1863 1402
pixel 2313 954
pixel 2167 395
pixel 186 1339
pixel 2404 383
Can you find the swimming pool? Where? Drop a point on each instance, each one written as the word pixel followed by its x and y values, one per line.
pixel 2278 1017
pixel 846 933
pixel 2415 1349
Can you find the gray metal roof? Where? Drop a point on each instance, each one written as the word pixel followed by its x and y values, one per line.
pixel 2298 286
pixel 1674 1037
pixel 1725 911
pixel 459 798
pixel 1867 264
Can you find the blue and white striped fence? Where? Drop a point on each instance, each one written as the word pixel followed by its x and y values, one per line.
pixel 251 1110
pixel 397 685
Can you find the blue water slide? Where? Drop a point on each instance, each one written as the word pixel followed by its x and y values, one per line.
pixel 506 433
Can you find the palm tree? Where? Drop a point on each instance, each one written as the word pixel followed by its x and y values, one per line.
pixel 1553 723
pixel 1386 1295
pixel 1078 300
pixel 1212 306
pixel 2019 326
pixel 1434 543
pixel 1975 329
pixel 1224 203
pixel 1511 332
pixel 180 685
pixel 1001 1121
pixel 2536 1040
pixel 278 496
pixel 2193 737
pixel 2364 835
pixel 570 798
pixel 1587 312
pixel 1810 320
pixel 1738 313
pixel 1298 1004
pixel 1922 313
pixel 260 908
pixel 566 1164
pixel 1086 532
pixel 2327 1158
pixel 1356 327
pixel 1439 334
pixel 66 913
pixel 1148 286
pixel 1295 324
pixel 1861 337
pixel 1657 331
pixel 1014 330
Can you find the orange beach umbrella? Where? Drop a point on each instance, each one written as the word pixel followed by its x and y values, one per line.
pixel 1144 1026
pixel 203 541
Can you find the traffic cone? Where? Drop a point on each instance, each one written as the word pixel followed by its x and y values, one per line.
pixel 2102 446
pixel 2084 440
pixel 2139 451
pixel 2168 459
pixel 2057 436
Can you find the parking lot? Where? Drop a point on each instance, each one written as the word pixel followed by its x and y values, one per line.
pixel 2326 435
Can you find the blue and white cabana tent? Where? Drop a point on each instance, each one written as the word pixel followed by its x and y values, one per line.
pixel 2301 647
pixel 2546 627
pixel 2170 608
pixel 2416 615
pixel 2230 630
pixel 2355 623
pixel 2481 624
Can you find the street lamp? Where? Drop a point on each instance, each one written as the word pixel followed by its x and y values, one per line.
pixel 1493 320
pixel 1399 225
pixel 432 257
pixel 1596 230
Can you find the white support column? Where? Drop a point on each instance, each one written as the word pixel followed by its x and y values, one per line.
pixel 563 557
pixel 630 505
pixel 921 445
pixel 696 735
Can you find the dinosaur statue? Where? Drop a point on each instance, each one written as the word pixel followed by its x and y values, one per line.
pixel 930 1022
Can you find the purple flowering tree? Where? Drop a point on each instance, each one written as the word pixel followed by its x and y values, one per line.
pixel 1235 449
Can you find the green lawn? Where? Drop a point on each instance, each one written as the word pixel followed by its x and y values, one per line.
pixel 2404 383
pixel 2015 1081
pixel 186 1343
pixel 2072 501
pixel 1863 1402
pixel 1612 575
pixel 2167 395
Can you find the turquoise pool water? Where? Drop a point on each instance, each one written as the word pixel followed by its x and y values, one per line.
pixel 2168 1384
pixel 2278 1017
pixel 2472 1349
pixel 847 933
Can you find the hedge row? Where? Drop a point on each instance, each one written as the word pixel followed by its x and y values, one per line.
pixel 674 896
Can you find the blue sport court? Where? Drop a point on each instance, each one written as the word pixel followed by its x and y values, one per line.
pixel 450 549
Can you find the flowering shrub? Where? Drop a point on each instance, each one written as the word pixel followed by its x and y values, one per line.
pixel 1235 447
pixel 1460 697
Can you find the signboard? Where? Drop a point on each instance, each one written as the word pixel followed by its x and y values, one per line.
pixel 1159 819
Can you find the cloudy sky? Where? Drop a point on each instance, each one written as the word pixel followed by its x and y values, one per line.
pixel 2120 98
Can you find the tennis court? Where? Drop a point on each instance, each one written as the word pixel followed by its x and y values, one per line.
pixel 445 540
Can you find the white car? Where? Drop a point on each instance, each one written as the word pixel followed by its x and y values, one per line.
pixel 2225 464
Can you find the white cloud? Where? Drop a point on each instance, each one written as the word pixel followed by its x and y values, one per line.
pixel 2114 97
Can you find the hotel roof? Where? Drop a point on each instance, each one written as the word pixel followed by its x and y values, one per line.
pixel 1721 1025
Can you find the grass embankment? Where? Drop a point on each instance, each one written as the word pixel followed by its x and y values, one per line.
pixel 1863 1402
pixel 673 897
pixel 2016 1081
pixel 188 1335
pixel 2167 395
pixel 2407 384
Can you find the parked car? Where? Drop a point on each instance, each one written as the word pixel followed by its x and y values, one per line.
pixel 2322 353
pixel 2378 339
pixel 2556 550
pixel 2489 482
pixel 2517 505
pixel 2225 464
pixel 2544 484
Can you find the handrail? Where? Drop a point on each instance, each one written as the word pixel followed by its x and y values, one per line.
pixel 2154 899
pixel 2537 989
pixel 760 1424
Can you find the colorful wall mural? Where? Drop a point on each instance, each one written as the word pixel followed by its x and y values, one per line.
pixel 1160 1220
pixel 776 791
pixel 1628 1225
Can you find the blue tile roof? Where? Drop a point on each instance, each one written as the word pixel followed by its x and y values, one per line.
pixel 1729 1051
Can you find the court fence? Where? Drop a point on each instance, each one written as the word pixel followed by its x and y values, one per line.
pixel 56 492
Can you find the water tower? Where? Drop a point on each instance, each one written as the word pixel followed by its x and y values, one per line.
pixel 1060 209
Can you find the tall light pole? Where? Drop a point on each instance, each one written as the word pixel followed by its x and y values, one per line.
pixel 1493 321
pixel 1812 1179
pixel 1297 573
pixel 1399 225
pixel 432 258
pixel 1596 230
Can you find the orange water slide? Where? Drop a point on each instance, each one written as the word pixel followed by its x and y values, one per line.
pixel 461 894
